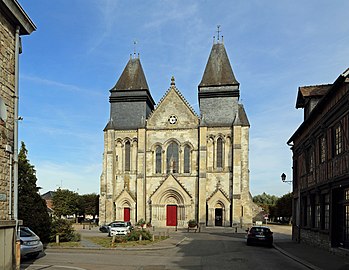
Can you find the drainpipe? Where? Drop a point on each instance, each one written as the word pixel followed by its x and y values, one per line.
pixel 15 149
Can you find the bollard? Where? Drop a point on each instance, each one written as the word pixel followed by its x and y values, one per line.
pixel 57 239
pixel 83 226
pixel 140 237
pixel 89 226
pixel 113 241
pixel 153 237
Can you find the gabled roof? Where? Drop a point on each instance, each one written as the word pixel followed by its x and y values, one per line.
pixel 132 78
pixel 218 71
pixel 48 195
pixel 343 78
pixel 305 92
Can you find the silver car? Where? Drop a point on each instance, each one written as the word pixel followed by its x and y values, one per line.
pixel 119 228
pixel 31 246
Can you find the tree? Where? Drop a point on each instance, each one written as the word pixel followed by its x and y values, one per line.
pixel 32 208
pixel 89 204
pixel 283 207
pixel 266 202
pixel 66 202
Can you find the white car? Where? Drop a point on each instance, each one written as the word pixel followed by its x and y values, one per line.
pixel 31 246
pixel 119 228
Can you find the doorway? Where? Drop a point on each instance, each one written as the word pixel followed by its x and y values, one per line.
pixel 218 220
pixel 171 215
pixel 127 214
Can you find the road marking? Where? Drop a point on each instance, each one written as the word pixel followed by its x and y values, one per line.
pixel 48 267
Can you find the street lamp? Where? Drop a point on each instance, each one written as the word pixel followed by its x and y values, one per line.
pixel 283 178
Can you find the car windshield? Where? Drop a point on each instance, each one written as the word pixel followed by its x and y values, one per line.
pixel 26 232
pixel 118 225
pixel 260 229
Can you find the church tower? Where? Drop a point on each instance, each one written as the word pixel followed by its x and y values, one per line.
pixel 130 99
pixel 224 197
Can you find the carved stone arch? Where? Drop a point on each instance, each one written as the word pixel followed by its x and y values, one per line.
pixel 171 196
pixel 171 140
pixel 218 200
pixel 220 135
pixel 119 142
pixel 125 201
pixel 127 139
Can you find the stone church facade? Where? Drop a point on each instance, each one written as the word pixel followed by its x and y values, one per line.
pixel 166 164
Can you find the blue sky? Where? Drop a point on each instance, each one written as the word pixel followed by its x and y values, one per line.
pixel 81 47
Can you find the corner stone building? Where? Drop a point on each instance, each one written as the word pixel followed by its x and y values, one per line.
pixel 167 165
pixel 14 22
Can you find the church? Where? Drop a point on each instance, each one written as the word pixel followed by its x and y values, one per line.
pixel 166 164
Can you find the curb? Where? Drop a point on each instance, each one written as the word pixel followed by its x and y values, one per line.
pixel 305 263
pixel 168 246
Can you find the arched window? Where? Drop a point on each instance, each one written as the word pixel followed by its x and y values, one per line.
pixel 186 159
pixel 219 153
pixel 158 159
pixel 172 158
pixel 127 156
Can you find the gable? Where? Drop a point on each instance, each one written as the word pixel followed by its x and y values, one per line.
pixel 173 111
pixel 171 189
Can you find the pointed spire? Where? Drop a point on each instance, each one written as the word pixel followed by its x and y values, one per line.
pixel 132 78
pixel 218 71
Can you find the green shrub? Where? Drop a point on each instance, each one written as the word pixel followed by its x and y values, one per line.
pixel 134 235
pixel 64 229
pixel 140 222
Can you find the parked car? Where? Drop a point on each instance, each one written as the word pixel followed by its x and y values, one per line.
pixel 259 235
pixel 119 228
pixel 106 228
pixel 31 246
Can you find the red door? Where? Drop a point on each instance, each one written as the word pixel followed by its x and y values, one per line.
pixel 171 215
pixel 127 215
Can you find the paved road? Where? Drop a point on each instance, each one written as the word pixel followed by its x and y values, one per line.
pixel 205 250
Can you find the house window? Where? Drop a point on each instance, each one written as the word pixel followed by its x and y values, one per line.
pixel 338 140
pixel 172 158
pixel 127 156
pixel 186 159
pixel 317 213
pixel 158 159
pixel 326 225
pixel 309 213
pixel 310 160
pixel 219 153
pixel 322 147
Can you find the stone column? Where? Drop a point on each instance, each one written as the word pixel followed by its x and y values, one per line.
pixel 141 175
pixel 202 175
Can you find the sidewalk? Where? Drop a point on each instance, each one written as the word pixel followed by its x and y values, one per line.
pixel 312 257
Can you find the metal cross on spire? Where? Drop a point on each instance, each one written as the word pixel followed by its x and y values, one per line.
pixel 218 31
pixel 134 48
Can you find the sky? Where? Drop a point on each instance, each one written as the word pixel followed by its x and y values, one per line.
pixel 81 47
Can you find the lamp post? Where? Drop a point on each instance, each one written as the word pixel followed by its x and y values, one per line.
pixel 283 178
pixel 296 206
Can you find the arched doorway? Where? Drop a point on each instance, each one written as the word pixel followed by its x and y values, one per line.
pixel 218 215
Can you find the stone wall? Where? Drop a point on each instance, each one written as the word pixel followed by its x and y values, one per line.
pixel 7 82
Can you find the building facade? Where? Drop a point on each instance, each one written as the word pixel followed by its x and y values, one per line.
pixel 13 23
pixel 320 149
pixel 166 164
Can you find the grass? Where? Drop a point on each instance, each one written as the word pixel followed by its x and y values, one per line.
pixel 107 242
pixel 65 244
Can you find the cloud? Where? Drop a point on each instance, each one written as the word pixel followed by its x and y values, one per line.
pixel 60 85
pixel 79 178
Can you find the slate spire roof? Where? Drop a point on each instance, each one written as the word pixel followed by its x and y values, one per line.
pixel 218 71
pixel 132 78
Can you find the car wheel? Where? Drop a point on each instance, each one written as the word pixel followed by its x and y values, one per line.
pixel 248 242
